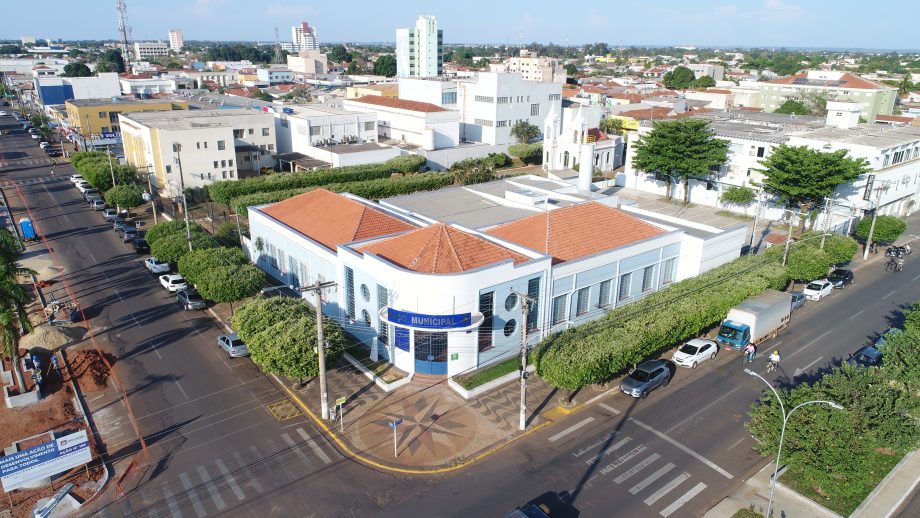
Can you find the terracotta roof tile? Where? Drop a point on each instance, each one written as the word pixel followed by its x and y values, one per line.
pixel 893 118
pixel 655 112
pixel 632 98
pixel 440 248
pixel 402 104
pixel 847 81
pixel 573 231
pixel 332 219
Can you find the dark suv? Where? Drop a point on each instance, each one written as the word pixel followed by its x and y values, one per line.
pixel 840 277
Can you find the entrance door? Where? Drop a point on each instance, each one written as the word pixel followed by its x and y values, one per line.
pixel 430 353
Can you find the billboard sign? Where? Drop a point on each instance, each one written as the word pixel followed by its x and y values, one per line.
pixel 44 460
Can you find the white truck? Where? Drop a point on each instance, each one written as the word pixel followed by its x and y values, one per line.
pixel 755 319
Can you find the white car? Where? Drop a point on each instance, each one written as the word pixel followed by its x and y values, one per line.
pixel 156 266
pixel 36 137
pixel 817 290
pixel 77 178
pixel 43 145
pixel 2 113
pixel 173 282
pixel 83 186
pixel 233 345
pixel 695 351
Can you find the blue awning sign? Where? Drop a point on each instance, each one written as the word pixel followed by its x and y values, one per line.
pixel 421 321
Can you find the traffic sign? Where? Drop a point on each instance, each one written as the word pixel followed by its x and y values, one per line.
pixel 341 401
pixel 394 424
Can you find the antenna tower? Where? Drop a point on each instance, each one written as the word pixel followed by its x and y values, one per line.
pixel 278 57
pixel 123 28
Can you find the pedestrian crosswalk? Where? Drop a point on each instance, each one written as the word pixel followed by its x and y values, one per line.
pixel 35 181
pixel 620 460
pixel 215 487
pixel 26 162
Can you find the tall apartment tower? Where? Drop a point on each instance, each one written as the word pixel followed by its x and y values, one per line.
pixel 175 40
pixel 304 37
pixel 419 49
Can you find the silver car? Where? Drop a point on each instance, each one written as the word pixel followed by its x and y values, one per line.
pixel 647 377
pixel 233 345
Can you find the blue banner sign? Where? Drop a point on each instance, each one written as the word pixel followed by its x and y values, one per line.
pixel 419 320
pixel 44 460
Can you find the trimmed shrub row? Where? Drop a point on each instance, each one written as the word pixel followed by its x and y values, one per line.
pixel 225 191
pixel 370 189
pixel 596 351
pixel 528 153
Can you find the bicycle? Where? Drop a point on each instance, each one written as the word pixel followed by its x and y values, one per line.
pixel 771 366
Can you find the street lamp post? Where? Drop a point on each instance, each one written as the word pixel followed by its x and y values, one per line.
pixel 782 433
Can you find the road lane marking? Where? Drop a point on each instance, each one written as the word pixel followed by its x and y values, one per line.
pixel 180 387
pixel 736 443
pixel 609 408
pixel 685 449
pixel 253 481
pixel 150 343
pixel 171 501
pixel 915 278
pixel 230 480
pixel 855 314
pixel 571 429
pixel 315 447
pixel 890 293
pixel 192 495
pixel 647 481
pixel 637 468
pixel 800 349
pixel 694 414
pixel 805 368
pixel 654 497
pixel 212 489
pixel 623 459
pixel 303 456
pixel 677 504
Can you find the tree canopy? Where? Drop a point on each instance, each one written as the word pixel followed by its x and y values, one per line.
pixel 339 54
pixel 793 107
pixel 681 148
pixel 524 132
pixel 887 228
pixel 110 61
pixel 76 70
pixel 126 196
pixel 385 65
pixel 678 79
pixel 222 274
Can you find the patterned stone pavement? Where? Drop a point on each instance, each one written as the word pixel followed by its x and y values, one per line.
pixel 439 427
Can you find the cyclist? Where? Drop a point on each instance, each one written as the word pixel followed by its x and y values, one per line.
pixel 774 360
pixel 749 352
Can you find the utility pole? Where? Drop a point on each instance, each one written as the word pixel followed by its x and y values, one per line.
pixel 188 227
pixel 878 199
pixel 757 209
pixel 108 152
pixel 317 290
pixel 525 309
pixel 153 203
pixel 788 239
pixel 827 223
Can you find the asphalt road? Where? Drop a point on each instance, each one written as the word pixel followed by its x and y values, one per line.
pixel 216 450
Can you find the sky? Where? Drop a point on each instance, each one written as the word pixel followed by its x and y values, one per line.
pixel 718 23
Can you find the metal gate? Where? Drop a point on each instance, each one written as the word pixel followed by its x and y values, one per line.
pixel 430 353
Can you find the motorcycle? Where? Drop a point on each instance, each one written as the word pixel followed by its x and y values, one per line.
pixel 898 251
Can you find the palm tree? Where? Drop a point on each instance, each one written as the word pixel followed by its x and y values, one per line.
pixel 14 318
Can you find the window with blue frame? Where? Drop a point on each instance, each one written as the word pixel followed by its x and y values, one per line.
pixel 533 293
pixel 486 307
pixel 350 292
pixel 382 327
pixel 559 309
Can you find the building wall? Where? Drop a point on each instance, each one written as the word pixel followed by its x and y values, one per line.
pixel 353 92
pixel 440 93
pixel 872 102
pixel 312 62
pixel 300 133
pixel 275 77
pixel 104 118
pixel 56 90
pixel 418 49
pixel 490 106
pixel 428 130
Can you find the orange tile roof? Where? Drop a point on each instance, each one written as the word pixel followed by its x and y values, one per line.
pixel 402 104
pixel 655 112
pixel 574 231
pixel 332 219
pixel 893 118
pixel 847 81
pixel 632 98
pixel 440 248
pixel 717 91
pixel 569 93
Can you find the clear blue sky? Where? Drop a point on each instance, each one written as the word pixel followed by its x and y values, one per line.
pixel 768 23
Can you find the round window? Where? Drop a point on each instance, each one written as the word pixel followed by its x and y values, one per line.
pixel 511 301
pixel 366 293
pixel 366 316
pixel 510 327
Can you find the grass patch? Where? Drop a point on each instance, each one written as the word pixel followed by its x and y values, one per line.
pixel 734 215
pixel 841 495
pixel 384 370
pixel 747 513
pixel 486 374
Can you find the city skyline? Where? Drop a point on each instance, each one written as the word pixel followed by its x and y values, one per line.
pixel 761 23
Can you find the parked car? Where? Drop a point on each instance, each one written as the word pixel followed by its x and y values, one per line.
pixel 190 299
pixel 76 178
pixel 43 145
pixel 141 246
pixel 155 265
pixel 173 282
pixel 50 151
pixel 120 225
pixel 83 185
pixel 798 300
pixel 129 235
pixel 233 345
pixel 695 351
pixel 108 214
pixel 36 137
pixel 90 192
pixel 880 342
pixel 817 290
pixel 840 277
pixel 97 204
pixel 866 357
pixel 647 377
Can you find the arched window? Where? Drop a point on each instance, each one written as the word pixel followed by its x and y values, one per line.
pixel 565 159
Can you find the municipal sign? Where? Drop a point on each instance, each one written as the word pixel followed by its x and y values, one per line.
pixel 420 320
pixel 44 460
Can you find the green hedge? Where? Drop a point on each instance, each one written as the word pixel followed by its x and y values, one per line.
pixel 596 351
pixel 370 189
pixel 528 153
pixel 225 191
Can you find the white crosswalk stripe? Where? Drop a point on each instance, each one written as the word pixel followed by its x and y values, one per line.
pixel 212 489
pixel 667 488
pixel 637 468
pixel 647 481
pixel 192 495
pixel 571 429
pixel 303 456
pixel 231 481
pixel 171 501
pixel 677 504
pixel 250 479
pixel 316 449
